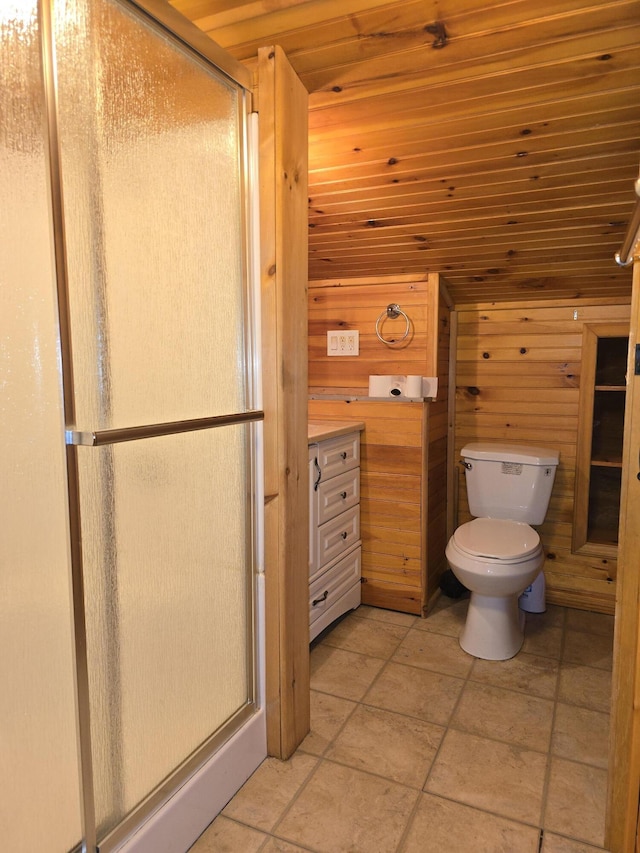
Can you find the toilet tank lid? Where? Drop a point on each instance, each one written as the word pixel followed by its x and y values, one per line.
pixel 496 452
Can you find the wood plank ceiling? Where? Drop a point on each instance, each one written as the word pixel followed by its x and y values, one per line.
pixel 494 142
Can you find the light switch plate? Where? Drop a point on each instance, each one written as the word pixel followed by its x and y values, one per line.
pixel 343 342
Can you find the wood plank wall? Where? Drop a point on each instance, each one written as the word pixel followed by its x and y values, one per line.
pixel 438 432
pixel 283 265
pixel 623 828
pixel 518 380
pixel 356 303
pixel 400 536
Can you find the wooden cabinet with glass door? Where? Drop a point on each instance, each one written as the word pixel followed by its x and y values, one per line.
pixel 601 426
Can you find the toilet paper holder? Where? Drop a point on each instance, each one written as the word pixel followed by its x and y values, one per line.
pixel 395 387
pixel 392 311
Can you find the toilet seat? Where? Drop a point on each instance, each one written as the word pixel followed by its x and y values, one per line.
pixel 498 539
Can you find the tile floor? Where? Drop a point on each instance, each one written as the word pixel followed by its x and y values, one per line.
pixel 416 747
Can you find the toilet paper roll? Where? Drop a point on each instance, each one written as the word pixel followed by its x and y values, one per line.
pixel 386 386
pixel 413 386
pixel 430 387
pixel 378 386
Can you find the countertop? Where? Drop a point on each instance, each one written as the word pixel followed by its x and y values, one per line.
pixel 320 430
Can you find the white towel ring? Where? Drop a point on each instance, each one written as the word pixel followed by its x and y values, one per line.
pixel 392 311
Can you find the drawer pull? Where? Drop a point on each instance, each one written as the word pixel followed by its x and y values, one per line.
pixel 343 495
pixel 343 455
pixel 319 470
pixel 322 598
pixel 344 534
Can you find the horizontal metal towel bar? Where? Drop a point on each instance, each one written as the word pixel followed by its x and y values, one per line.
pixel 115 436
pixel 625 256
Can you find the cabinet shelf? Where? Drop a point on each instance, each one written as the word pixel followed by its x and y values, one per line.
pixel 600 437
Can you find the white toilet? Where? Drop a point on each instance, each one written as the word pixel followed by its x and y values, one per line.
pixel 498 555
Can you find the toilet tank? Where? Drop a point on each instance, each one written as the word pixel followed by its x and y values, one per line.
pixel 509 480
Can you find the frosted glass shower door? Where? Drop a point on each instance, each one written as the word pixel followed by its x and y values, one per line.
pixel 39 766
pixel 153 176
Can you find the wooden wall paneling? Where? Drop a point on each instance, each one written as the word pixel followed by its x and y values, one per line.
pixel 453 469
pixel 394 528
pixel 391 472
pixel 437 425
pixel 414 62
pixel 358 305
pixel 624 754
pixel 283 198
pixel 518 376
pixel 404 445
pixel 505 159
pixel 419 183
pixel 349 31
pixel 414 145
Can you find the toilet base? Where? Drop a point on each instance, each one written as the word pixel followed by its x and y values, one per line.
pixel 494 629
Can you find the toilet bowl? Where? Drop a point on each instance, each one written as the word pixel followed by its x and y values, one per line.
pixel 496 559
pixel 498 555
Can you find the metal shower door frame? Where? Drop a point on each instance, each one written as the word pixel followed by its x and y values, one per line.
pixel 192 41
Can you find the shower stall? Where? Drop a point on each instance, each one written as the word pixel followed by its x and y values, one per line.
pixel 130 558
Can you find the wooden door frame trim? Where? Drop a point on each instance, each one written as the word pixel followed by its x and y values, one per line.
pixel 624 753
pixel 283 111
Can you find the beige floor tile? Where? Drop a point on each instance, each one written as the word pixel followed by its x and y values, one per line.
pixel 581 734
pixel 505 715
pixel 343 809
pixel 441 826
pixel 497 777
pixel 541 639
pixel 557 844
pixel 381 615
pixel 526 673
pixel 446 618
pixel 277 845
pixel 264 797
pixel 594 623
pixel 588 649
pixel 554 616
pixel 391 745
pixel 227 836
pixel 366 636
pixel 328 715
pixel 585 686
pixel 342 673
pixel 435 652
pixel 419 693
pixel 576 801
pixel 484 790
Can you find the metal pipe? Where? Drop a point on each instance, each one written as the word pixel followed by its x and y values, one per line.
pixel 83 720
pixel 624 257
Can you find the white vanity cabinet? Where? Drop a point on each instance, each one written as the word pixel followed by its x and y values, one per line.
pixel 334 534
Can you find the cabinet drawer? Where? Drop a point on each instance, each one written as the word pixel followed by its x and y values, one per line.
pixel 333 584
pixel 337 494
pixel 337 535
pixel 338 454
